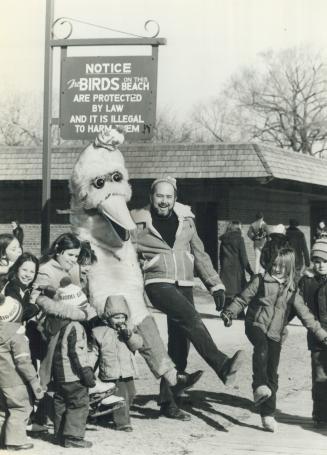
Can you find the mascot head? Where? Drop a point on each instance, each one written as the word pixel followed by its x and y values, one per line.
pixel 100 191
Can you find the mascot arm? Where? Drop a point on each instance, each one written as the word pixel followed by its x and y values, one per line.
pixel 60 309
pixel 134 342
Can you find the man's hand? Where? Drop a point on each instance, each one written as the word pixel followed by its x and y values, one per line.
pixel 219 298
pixel 227 317
pixel 47 290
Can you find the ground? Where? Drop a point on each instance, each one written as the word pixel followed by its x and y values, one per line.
pixel 223 418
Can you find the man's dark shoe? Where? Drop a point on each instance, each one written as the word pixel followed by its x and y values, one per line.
pixel 77 443
pixel 173 412
pixel 186 381
pixel 231 367
pixel 21 447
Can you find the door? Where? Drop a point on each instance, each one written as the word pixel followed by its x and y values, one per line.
pixel 206 221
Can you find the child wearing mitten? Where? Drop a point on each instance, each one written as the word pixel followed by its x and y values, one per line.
pixel 115 345
pixel 17 376
pixel 271 299
pixel 67 360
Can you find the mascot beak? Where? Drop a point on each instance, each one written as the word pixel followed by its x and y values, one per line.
pixel 115 208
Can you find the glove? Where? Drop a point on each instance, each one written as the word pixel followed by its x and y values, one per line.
pixel 227 317
pixel 37 389
pixel 47 290
pixel 124 333
pixel 87 377
pixel 219 298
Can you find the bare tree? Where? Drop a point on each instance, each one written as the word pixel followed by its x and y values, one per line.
pixel 20 120
pixel 169 129
pixel 281 101
pixel 219 120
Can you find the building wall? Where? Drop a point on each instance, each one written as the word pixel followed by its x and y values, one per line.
pixel 229 200
pixel 32 235
pixel 277 205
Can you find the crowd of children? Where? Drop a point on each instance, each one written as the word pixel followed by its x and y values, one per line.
pixel 52 340
pixel 42 301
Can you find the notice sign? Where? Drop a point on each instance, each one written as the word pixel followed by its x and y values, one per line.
pixel 104 92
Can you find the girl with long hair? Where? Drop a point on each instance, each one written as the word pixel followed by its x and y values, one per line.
pixel 271 300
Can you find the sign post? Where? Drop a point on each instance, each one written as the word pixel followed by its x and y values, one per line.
pixel 47 116
pixel 96 93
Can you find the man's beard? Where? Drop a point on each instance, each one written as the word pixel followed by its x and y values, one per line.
pixel 161 214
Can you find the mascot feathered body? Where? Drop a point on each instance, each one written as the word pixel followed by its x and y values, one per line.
pixel 99 213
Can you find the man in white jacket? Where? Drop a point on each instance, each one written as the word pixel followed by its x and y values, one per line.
pixel 169 248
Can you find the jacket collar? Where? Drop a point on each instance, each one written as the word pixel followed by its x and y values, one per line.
pixel 269 279
pixel 144 216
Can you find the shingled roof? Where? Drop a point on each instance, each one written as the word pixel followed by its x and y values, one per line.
pixel 148 161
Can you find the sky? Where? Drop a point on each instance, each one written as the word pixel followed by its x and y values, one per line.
pixel 207 40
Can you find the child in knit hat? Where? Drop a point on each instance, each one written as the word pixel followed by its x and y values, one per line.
pixel 17 376
pixel 68 362
pixel 115 344
pixel 313 287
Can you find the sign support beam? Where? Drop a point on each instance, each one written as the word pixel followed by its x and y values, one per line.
pixel 47 115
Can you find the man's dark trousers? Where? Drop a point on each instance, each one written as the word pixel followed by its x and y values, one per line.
pixel 184 325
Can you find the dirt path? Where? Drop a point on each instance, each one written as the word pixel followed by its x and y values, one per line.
pixel 219 413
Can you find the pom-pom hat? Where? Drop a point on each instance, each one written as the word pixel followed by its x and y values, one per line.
pixel 10 309
pixel 319 249
pixel 71 294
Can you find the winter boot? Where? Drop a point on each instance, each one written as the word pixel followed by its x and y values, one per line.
pixel 269 423
pixel 261 394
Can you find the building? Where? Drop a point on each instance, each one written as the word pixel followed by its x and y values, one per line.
pixel 220 181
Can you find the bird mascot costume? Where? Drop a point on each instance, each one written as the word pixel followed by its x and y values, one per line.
pixel 99 214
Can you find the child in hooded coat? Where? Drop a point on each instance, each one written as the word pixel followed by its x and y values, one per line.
pixel 17 376
pixel 114 345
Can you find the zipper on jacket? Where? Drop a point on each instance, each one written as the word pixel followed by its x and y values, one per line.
pixel 274 312
pixel 117 356
pixel 175 265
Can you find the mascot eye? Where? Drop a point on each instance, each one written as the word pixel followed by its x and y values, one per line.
pixel 117 177
pixel 99 182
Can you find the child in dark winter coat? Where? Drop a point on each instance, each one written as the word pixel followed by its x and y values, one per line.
pixel 17 376
pixel 67 359
pixel 270 300
pixel 313 288
pixel 115 344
